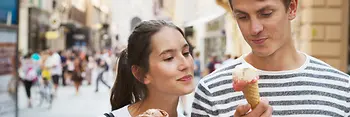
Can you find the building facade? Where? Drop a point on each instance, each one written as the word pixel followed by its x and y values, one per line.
pixel 125 15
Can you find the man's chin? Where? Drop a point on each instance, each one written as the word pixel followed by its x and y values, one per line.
pixel 261 53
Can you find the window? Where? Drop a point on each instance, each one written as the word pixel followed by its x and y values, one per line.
pixel 161 5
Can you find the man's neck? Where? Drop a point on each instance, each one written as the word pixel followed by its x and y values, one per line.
pixel 287 58
pixel 156 101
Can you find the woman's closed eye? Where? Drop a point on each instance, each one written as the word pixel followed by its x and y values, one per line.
pixel 186 54
pixel 169 59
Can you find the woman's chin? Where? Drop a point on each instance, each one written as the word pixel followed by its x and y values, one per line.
pixel 188 90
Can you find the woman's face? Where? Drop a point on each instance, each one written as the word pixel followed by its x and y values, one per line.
pixel 170 64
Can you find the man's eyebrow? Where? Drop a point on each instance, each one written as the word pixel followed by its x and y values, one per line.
pixel 235 11
pixel 264 8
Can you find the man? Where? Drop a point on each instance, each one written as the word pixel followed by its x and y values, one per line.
pixel 213 64
pixel 104 63
pixel 295 84
pixel 54 64
pixel 197 66
pixel 64 66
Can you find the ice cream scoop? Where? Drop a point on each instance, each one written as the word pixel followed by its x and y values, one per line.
pixel 154 113
pixel 245 79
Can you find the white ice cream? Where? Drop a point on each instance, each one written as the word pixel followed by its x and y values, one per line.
pixel 245 73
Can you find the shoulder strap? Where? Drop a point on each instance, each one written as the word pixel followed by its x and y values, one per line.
pixel 109 114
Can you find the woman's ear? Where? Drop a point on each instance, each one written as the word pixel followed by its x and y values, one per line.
pixel 139 74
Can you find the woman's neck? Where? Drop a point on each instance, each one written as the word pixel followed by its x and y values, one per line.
pixel 166 103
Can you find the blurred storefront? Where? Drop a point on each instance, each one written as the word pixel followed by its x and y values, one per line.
pixel 77 34
pixel 98 19
pixel 63 24
pixel 208 28
pixel 215 39
pixel 8 58
pixel 38 26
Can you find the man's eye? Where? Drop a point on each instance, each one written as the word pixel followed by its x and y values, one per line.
pixel 241 16
pixel 266 14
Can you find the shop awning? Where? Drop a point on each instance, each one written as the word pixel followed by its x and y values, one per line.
pixel 206 18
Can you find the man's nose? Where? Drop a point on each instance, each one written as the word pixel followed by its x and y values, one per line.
pixel 256 27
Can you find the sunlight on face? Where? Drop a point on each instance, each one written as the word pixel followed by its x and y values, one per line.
pixel 171 65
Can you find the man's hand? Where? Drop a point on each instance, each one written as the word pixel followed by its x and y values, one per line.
pixel 262 110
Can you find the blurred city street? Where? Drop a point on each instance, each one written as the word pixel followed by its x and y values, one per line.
pixel 86 104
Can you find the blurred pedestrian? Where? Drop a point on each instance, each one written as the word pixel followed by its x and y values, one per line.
pixel 197 66
pixel 64 66
pixel 213 64
pixel 89 68
pixel 54 64
pixel 76 75
pixel 30 76
pixel 103 68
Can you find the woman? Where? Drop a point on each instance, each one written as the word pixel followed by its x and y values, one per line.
pixel 29 69
pixel 154 71
pixel 45 72
pixel 70 68
pixel 76 74
pixel 89 68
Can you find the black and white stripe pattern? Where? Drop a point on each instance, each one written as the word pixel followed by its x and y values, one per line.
pixel 314 90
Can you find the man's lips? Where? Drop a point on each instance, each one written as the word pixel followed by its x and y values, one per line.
pixel 185 78
pixel 259 41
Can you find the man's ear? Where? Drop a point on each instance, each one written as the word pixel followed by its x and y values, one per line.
pixel 139 74
pixel 292 10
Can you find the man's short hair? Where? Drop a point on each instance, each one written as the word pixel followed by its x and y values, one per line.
pixel 285 2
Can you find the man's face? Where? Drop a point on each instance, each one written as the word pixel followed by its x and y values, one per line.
pixel 265 24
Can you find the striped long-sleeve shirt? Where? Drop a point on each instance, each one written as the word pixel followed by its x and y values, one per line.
pixel 313 90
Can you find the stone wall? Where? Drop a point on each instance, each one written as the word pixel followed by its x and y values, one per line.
pixel 323 30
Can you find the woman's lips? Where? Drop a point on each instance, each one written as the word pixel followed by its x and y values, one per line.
pixel 186 78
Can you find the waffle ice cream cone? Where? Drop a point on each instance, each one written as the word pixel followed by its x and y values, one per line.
pixel 251 94
pixel 154 113
pixel 246 80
